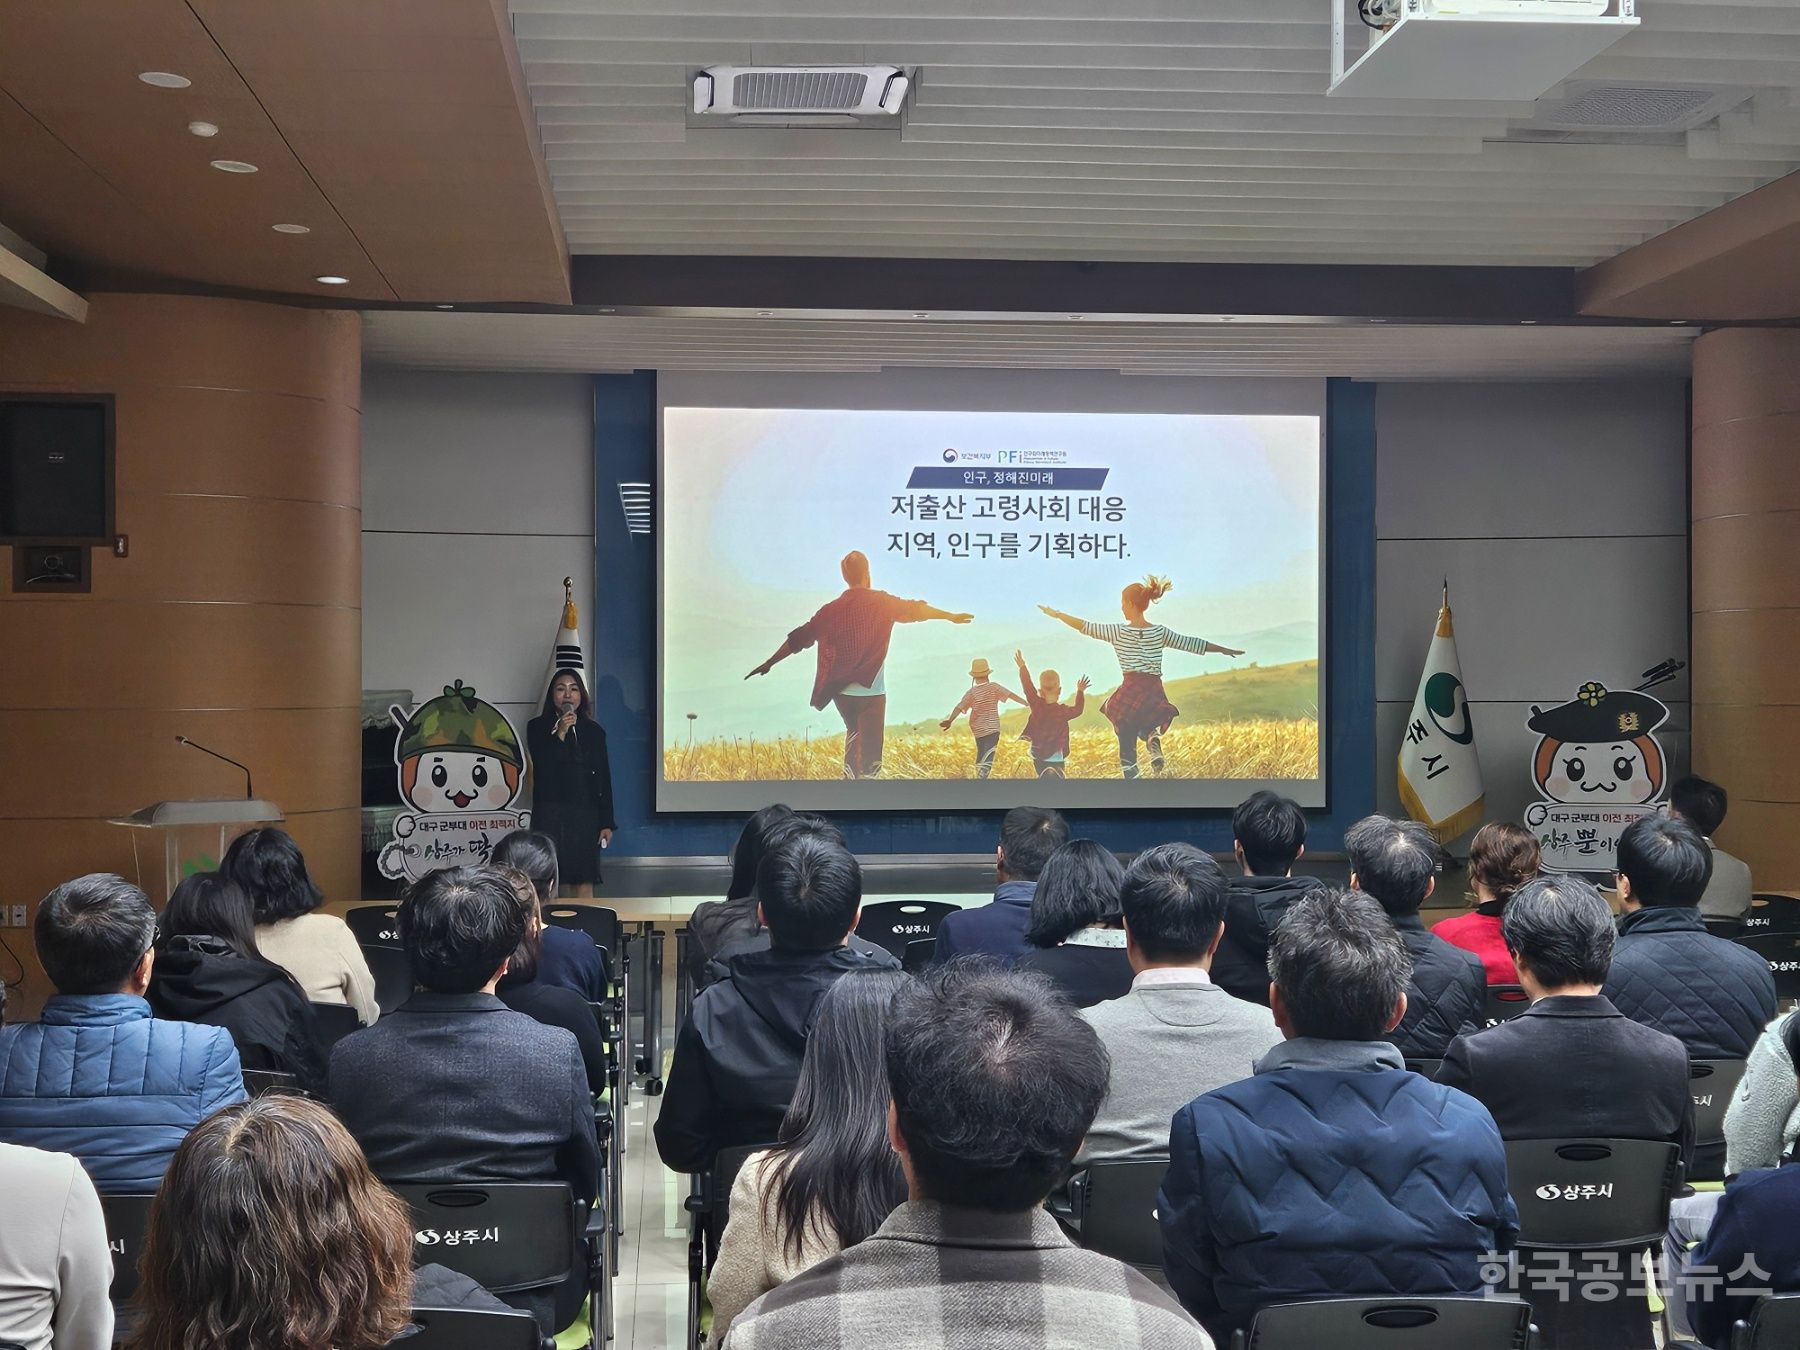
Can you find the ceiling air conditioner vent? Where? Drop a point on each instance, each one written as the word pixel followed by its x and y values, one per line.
pixel 1634 107
pixel 799 95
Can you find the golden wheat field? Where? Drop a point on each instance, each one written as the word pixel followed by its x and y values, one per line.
pixel 1251 748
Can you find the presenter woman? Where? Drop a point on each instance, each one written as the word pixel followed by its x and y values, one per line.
pixel 572 797
pixel 1139 709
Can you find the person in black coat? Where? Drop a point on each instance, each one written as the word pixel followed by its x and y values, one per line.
pixel 208 970
pixel 1076 937
pixel 550 1004
pixel 1268 835
pixel 1394 862
pixel 566 957
pixel 571 794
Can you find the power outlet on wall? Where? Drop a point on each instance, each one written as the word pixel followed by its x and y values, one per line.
pixel 15 916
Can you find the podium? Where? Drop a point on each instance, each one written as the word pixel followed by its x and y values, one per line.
pixel 190 829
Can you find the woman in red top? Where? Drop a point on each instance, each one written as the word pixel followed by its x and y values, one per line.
pixel 1502 858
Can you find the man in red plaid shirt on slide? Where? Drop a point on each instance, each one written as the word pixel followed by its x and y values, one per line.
pixel 852 634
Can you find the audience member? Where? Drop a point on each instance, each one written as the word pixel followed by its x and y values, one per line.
pixel 1702 804
pixel 737 1056
pixel 1763 1119
pixel 1175 1034
pixel 1502 857
pixel 1028 836
pixel 1571 1065
pixel 208 970
pixel 567 958
pixel 551 1004
pixel 1394 862
pixel 317 949
pixel 453 1085
pixel 1333 1172
pixel 1669 972
pixel 1074 936
pixel 832 1180
pixel 99 1077
pixel 717 924
pixel 994 1081
pixel 1268 836
pixel 55 1266
pixel 270 1232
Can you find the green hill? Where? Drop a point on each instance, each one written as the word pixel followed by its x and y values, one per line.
pixel 1240 694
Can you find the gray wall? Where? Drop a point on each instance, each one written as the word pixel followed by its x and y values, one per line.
pixel 478 499
pixel 1558 511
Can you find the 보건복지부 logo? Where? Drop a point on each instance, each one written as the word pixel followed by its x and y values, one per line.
pixel 949 456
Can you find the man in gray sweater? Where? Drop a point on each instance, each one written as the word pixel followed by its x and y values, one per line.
pixel 1176 1035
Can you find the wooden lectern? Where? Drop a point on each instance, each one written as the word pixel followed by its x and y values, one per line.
pixel 190 829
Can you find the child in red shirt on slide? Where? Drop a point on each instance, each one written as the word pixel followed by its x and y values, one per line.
pixel 1048 726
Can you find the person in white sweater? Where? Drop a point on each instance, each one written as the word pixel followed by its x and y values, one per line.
pixel 318 950
pixel 55 1266
pixel 1763 1119
pixel 832 1180
pixel 1175 1035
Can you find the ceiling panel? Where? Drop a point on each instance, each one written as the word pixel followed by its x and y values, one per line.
pixel 590 342
pixel 1153 129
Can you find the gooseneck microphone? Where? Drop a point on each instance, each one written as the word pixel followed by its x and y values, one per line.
pixel 249 793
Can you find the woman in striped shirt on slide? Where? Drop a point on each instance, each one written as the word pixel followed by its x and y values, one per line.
pixel 1139 709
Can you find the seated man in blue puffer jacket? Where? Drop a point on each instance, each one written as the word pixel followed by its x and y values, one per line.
pixel 98 1076
pixel 1333 1172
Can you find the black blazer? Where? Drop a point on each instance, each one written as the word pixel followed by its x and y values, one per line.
pixel 1576 1067
pixel 1447 994
pixel 459 1087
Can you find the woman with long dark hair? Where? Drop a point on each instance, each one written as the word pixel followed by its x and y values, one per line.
pixel 1076 935
pixel 833 1179
pixel 209 970
pixel 717 924
pixel 271 1231
pixel 317 949
pixel 554 1006
pixel 571 794
pixel 566 958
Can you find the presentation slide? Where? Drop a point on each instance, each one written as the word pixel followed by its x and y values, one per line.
pixel 883 609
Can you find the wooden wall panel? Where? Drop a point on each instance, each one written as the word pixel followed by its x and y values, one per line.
pixel 236 617
pixel 1746 591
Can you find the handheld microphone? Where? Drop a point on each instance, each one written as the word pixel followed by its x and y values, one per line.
pixel 248 792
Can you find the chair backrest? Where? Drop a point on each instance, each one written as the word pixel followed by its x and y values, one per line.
pixel 1394 1324
pixel 374 925
pixel 602 925
pixel 1505 1002
pixel 260 1081
pixel 393 975
pixel 127 1216
pixel 1781 949
pixel 1774 1324
pixel 1721 927
pixel 1592 1194
pixel 918 955
pixel 1115 1210
pixel 1427 1068
pixel 1772 914
pixel 1713 1082
pixel 505 1237
pixel 895 923
pixel 472 1329
pixel 335 1021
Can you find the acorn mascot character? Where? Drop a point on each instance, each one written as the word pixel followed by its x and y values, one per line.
pixel 458 756
pixel 1598 748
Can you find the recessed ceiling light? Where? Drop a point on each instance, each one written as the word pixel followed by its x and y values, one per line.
pixel 443 306
pixel 291 229
pixel 233 166
pixel 765 313
pixel 164 79
pixel 1074 316
pixel 920 314
pixel 332 281
pixel 204 128
pixel 1527 320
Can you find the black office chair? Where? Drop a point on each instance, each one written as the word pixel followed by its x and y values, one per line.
pixel 126 1216
pixel 374 925
pixel 335 1021
pixel 1112 1208
pixel 608 934
pixel 1773 1325
pixel 709 1207
pixel 1713 1083
pixel 1505 1002
pixel 895 923
pixel 918 955
pixel 1598 1198
pixel 1781 949
pixel 472 1329
pixel 512 1238
pixel 612 1132
pixel 1723 928
pixel 258 1082
pixel 393 975
pixel 1772 914
pixel 1426 1068
pixel 1391 1324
